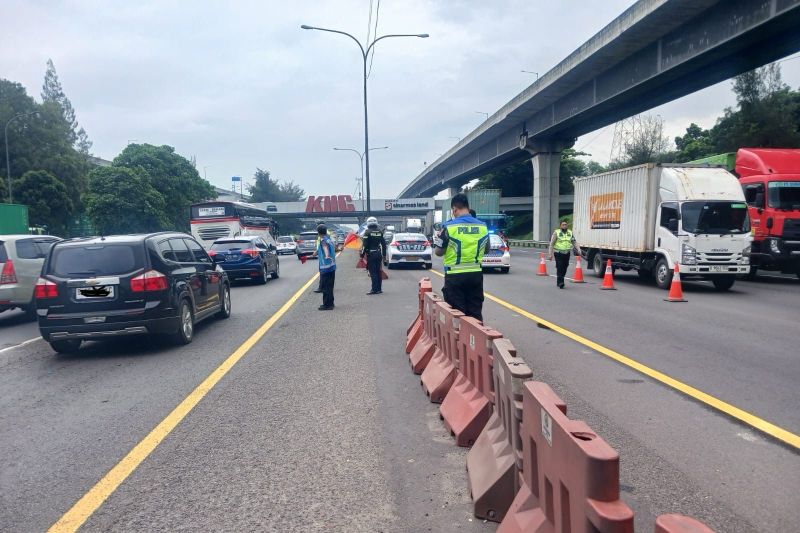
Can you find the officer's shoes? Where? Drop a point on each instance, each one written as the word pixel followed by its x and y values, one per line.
pixel 318 291
pixel 325 308
pixel 370 293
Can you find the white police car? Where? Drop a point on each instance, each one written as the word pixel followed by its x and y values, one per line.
pixel 498 255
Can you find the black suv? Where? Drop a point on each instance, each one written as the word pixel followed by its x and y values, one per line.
pixel 104 287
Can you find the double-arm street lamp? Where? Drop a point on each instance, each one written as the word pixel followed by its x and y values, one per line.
pixel 361 159
pixel 364 54
pixel 8 161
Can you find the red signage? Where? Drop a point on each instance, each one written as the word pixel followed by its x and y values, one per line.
pixel 330 204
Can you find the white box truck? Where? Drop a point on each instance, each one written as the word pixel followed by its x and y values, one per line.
pixel 649 217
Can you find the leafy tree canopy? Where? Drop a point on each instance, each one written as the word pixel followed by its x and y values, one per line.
pixel 48 201
pixel 123 200
pixel 172 175
pixel 267 189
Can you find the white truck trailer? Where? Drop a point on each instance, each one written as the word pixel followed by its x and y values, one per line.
pixel 649 217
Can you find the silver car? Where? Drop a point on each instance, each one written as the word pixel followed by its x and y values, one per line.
pixel 307 244
pixel 21 259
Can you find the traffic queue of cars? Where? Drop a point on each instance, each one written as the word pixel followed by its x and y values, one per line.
pixel 115 286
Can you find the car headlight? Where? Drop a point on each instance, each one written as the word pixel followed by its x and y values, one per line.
pixel 774 246
pixel 688 255
pixel 747 251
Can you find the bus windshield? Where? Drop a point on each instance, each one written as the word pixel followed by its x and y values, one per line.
pixel 784 194
pixel 716 218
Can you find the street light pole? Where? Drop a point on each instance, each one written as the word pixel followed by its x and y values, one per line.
pixel 364 55
pixel 8 161
pixel 361 162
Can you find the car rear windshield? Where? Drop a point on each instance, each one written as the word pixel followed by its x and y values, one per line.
pixel 96 260
pixel 33 248
pixel 231 245
pixel 308 236
pixel 284 239
pixel 495 241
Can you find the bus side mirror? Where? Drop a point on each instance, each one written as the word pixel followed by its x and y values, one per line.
pixel 769 222
pixel 672 225
pixel 759 203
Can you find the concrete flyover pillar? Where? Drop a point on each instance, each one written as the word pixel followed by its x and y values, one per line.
pixel 546 162
pixel 452 191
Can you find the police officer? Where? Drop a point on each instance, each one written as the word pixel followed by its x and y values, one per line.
pixel 373 247
pixel 463 241
pixel 562 243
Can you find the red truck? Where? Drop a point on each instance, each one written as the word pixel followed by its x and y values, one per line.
pixel 770 178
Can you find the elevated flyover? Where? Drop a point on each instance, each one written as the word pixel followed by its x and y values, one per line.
pixel 654 52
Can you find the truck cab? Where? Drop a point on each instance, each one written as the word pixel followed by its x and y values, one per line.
pixel 770 179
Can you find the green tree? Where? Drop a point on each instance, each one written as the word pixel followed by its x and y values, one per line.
pixel 53 92
pixel 172 175
pixel 123 200
pixel 267 189
pixel 695 144
pixel 40 140
pixel 47 199
pixel 647 144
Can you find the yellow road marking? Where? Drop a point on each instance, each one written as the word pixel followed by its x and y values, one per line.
pixel 94 498
pixel 731 410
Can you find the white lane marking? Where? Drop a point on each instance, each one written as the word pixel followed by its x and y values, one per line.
pixel 20 344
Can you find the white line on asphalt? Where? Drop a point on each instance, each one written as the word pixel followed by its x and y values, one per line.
pixel 20 344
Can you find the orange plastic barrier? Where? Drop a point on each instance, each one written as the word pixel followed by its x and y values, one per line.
pixel 440 373
pixel 675 523
pixel 495 460
pixel 570 476
pixel 468 405
pixel 423 350
pixel 414 331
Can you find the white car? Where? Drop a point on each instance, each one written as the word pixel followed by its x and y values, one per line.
pixel 286 245
pixel 21 260
pixel 498 255
pixel 409 249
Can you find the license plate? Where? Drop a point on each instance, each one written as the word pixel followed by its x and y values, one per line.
pixel 411 258
pixel 718 268
pixel 99 292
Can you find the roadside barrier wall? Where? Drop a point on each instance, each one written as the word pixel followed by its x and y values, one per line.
pixel 531 468
pixel 438 376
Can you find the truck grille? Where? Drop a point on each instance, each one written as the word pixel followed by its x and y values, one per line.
pixel 212 233
pixel 717 258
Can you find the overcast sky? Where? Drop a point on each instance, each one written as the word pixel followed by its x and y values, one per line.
pixel 239 85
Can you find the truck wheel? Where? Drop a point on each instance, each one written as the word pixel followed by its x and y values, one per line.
pixel 663 274
pixel 597 266
pixel 723 283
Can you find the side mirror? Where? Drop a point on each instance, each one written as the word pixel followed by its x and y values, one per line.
pixel 672 225
pixel 759 202
pixel 769 222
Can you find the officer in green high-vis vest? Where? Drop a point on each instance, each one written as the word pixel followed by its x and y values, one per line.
pixel 462 241
pixel 561 244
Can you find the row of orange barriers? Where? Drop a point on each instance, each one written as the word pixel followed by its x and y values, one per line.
pixel 530 467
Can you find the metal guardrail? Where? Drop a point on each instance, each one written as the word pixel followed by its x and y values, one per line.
pixel 528 244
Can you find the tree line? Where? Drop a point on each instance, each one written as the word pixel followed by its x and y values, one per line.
pixel 70 193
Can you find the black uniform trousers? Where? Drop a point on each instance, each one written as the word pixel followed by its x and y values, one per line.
pixel 374 260
pixel 562 262
pixel 465 292
pixel 326 282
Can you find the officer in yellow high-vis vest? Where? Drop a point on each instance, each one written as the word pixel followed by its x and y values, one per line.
pixel 561 244
pixel 462 241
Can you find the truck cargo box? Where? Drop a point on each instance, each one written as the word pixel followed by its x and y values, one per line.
pixel 617 210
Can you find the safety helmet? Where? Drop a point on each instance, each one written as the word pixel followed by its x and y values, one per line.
pixel 372 221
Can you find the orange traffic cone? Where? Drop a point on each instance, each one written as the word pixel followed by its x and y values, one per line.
pixel 675 289
pixel 578 271
pixel 608 279
pixel 542 266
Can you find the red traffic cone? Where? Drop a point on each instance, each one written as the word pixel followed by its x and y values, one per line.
pixel 542 266
pixel 608 279
pixel 675 289
pixel 578 271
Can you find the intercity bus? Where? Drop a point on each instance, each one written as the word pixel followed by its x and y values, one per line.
pixel 216 220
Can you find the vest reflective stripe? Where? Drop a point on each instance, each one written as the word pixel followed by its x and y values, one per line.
pixel 465 247
pixel 563 241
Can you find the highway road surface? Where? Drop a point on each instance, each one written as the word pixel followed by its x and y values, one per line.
pixel 285 418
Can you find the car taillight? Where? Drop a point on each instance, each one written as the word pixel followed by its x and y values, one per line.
pixel 504 248
pixel 212 253
pixel 152 280
pixel 8 275
pixel 300 242
pixel 395 243
pixel 426 244
pixel 45 289
pixel 252 252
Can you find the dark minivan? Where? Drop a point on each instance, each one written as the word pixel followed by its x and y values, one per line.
pixel 104 287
